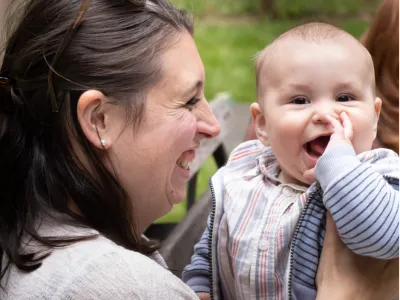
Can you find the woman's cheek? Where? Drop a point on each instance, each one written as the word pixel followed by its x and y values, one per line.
pixel 189 123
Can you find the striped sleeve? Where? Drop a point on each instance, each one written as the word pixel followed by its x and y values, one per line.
pixel 363 204
pixel 197 273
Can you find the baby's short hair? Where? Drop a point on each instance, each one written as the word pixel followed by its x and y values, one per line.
pixel 315 32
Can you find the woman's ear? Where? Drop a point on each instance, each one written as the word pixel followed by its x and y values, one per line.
pixel 260 123
pixel 93 118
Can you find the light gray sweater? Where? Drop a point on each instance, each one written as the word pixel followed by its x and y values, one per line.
pixel 93 269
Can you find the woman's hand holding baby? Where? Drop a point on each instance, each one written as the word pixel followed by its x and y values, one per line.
pixel 342 274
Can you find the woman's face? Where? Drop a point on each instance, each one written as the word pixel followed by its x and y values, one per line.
pixel 152 161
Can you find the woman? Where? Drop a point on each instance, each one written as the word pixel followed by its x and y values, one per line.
pixel 84 108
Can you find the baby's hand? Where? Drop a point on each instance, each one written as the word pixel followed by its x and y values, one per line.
pixel 342 131
pixel 204 296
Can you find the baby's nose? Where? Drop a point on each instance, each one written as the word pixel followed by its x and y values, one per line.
pixel 322 111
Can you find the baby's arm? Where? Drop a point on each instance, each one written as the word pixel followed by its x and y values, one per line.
pixel 197 273
pixel 363 204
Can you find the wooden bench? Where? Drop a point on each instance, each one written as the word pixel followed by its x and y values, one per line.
pixel 178 239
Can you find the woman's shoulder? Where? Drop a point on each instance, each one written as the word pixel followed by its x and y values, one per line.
pixel 107 271
pixel 97 269
pixel 98 251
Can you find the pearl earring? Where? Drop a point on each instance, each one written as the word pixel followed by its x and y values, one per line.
pixel 103 142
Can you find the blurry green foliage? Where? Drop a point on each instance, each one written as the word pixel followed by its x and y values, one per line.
pixel 283 8
pixel 318 8
pixel 219 7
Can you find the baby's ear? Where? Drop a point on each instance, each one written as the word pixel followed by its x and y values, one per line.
pixel 260 124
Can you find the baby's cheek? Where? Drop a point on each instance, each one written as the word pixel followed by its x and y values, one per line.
pixel 363 135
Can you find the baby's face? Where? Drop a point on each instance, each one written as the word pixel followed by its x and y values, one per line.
pixel 307 81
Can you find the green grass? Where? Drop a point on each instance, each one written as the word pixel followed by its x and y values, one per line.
pixel 227 50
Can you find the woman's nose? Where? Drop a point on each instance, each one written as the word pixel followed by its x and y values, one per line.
pixel 207 125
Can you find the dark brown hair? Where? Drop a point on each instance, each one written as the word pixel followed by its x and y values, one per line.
pixel 116 50
pixel 382 41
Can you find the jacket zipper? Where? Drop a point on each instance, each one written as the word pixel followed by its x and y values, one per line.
pixel 212 215
pixel 296 231
pixel 388 178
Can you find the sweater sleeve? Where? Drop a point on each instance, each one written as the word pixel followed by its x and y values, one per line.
pixel 363 204
pixel 120 277
pixel 197 273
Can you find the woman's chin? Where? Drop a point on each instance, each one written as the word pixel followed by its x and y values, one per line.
pixel 177 195
pixel 178 189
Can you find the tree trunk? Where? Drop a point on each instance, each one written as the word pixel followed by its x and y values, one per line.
pixel 268 7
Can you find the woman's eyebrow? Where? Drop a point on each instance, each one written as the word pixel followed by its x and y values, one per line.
pixel 195 87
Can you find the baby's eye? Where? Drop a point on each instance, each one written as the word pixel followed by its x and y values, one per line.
pixel 345 98
pixel 191 103
pixel 300 100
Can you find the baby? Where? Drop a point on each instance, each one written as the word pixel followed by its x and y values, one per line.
pixel 316 119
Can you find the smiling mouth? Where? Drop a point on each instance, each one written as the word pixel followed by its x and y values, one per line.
pixel 185 159
pixel 316 147
pixel 183 164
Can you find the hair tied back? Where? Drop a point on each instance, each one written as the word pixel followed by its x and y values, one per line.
pixel 138 2
pixel 8 99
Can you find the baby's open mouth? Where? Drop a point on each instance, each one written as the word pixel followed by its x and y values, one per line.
pixel 316 147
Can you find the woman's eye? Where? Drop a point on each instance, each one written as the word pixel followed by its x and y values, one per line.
pixel 344 98
pixel 192 102
pixel 300 100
